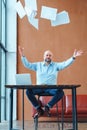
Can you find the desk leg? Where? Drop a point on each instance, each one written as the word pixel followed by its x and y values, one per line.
pixel 11 110
pixel 74 109
pixel 23 109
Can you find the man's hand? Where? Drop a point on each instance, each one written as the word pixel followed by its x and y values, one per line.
pixel 77 53
pixel 21 51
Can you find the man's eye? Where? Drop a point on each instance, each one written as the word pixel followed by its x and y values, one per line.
pixel 48 55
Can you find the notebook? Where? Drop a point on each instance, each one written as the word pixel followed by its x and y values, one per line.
pixel 23 79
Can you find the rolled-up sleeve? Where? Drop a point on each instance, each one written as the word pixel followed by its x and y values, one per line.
pixel 64 64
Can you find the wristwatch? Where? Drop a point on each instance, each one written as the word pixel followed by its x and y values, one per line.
pixel 74 58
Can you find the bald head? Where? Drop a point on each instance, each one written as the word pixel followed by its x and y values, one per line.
pixel 48 56
pixel 48 52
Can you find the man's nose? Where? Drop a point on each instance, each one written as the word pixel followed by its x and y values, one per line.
pixel 48 56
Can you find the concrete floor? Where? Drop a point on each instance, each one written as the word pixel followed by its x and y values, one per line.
pixel 29 125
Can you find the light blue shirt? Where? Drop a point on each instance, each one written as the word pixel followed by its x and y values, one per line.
pixel 46 74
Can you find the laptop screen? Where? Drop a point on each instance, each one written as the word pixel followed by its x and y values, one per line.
pixel 23 79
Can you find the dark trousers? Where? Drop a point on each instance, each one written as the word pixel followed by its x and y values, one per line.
pixel 57 94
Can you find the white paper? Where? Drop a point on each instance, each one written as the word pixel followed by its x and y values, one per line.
pixel 30 12
pixel 20 10
pixel 48 13
pixel 33 14
pixel 62 18
pixel 32 4
pixel 33 22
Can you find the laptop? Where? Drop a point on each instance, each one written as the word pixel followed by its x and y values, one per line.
pixel 23 79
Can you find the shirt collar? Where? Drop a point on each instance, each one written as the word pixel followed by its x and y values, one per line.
pixel 45 64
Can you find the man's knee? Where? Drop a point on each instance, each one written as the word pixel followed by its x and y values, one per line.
pixel 60 93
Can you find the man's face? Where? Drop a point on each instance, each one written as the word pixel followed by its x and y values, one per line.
pixel 48 56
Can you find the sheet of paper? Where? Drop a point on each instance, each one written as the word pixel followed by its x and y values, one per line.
pixel 62 18
pixel 33 22
pixel 30 12
pixel 20 10
pixel 32 4
pixel 48 13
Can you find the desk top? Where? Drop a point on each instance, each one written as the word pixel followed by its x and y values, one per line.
pixel 43 86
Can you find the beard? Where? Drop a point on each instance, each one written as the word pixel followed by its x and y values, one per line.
pixel 48 60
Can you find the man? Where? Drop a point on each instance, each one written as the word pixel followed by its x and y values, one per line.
pixel 46 73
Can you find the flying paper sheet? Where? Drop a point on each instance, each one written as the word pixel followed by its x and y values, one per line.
pixel 48 13
pixel 20 10
pixel 32 4
pixel 33 22
pixel 62 18
pixel 30 12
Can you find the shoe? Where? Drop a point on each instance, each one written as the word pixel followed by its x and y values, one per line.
pixel 39 113
pixel 47 111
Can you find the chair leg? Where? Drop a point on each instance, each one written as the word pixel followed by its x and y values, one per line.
pixel 62 115
pixel 36 123
pixel 57 117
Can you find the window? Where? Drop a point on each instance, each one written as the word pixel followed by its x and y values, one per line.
pixel 2 61
pixel 7 55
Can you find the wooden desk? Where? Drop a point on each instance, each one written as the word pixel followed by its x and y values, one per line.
pixel 74 103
